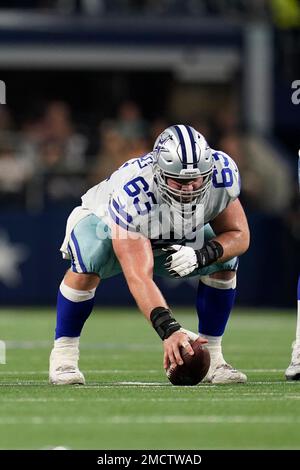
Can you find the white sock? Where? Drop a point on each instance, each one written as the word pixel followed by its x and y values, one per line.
pixel 66 349
pixel 214 347
pixel 66 342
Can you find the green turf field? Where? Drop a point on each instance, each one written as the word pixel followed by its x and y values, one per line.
pixel 128 402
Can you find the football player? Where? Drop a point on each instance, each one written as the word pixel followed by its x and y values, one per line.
pixel 119 227
pixel 293 370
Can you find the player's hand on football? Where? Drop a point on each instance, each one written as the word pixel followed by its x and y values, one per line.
pixel 182 260
pixel 172 347
pixel 193 336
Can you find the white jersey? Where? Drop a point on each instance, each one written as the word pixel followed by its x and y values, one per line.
pixel 130 198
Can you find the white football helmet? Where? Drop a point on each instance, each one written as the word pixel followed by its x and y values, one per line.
pixel 180 152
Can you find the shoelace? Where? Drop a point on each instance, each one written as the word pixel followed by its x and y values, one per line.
pixel 225 366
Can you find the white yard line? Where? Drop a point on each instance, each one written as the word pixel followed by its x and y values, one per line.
pixel 37 400
pixel 160 420
pixel 91 371
pixel 262 371
pixel 152 400
pixel 132 384
pixel 35 344
pixel 125 385
pixel 275 382
pixel 123 371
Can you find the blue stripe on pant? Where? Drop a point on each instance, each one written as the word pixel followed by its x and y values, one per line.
pixel 78 254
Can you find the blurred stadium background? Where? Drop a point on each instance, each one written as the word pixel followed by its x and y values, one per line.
pixel 89 84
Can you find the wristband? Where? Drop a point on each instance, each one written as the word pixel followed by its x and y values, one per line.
pixel 209 253
pixel 163 323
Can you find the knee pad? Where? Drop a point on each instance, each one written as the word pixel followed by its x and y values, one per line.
pixel 76 295
pixel 219 283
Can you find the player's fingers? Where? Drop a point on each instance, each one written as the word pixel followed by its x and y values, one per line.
pixel 167 249
pixel 179 262
pixel 169 260
pixel 190 334
pixel 176 248
pixel 180 268
pixel 169 358
pixel 172 248
pixel 166 361
pixel 180 272
pixel 177 355
pixel 186 345
pixel 176 258
pixel 173 273
pixel 203 340
pixel 186 272
pixel 172 359
pixel 183 266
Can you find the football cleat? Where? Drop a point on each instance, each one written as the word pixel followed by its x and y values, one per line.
pixel 224 374
pixel 293 370
pixel 64 358
pixel 66 375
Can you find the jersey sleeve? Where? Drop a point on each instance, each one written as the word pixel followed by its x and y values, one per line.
pixel 132 198
pixel 120 211
pixel 226 175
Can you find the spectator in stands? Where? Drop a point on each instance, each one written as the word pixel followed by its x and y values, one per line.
pixel 157 126
pixel 266 179
pixel 120 140
pixel 112 153
pixel 60 128
pixel 130 122
pixel 6 120
pixel 15 172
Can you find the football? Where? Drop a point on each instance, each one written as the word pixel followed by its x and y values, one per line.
pixel 193 369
